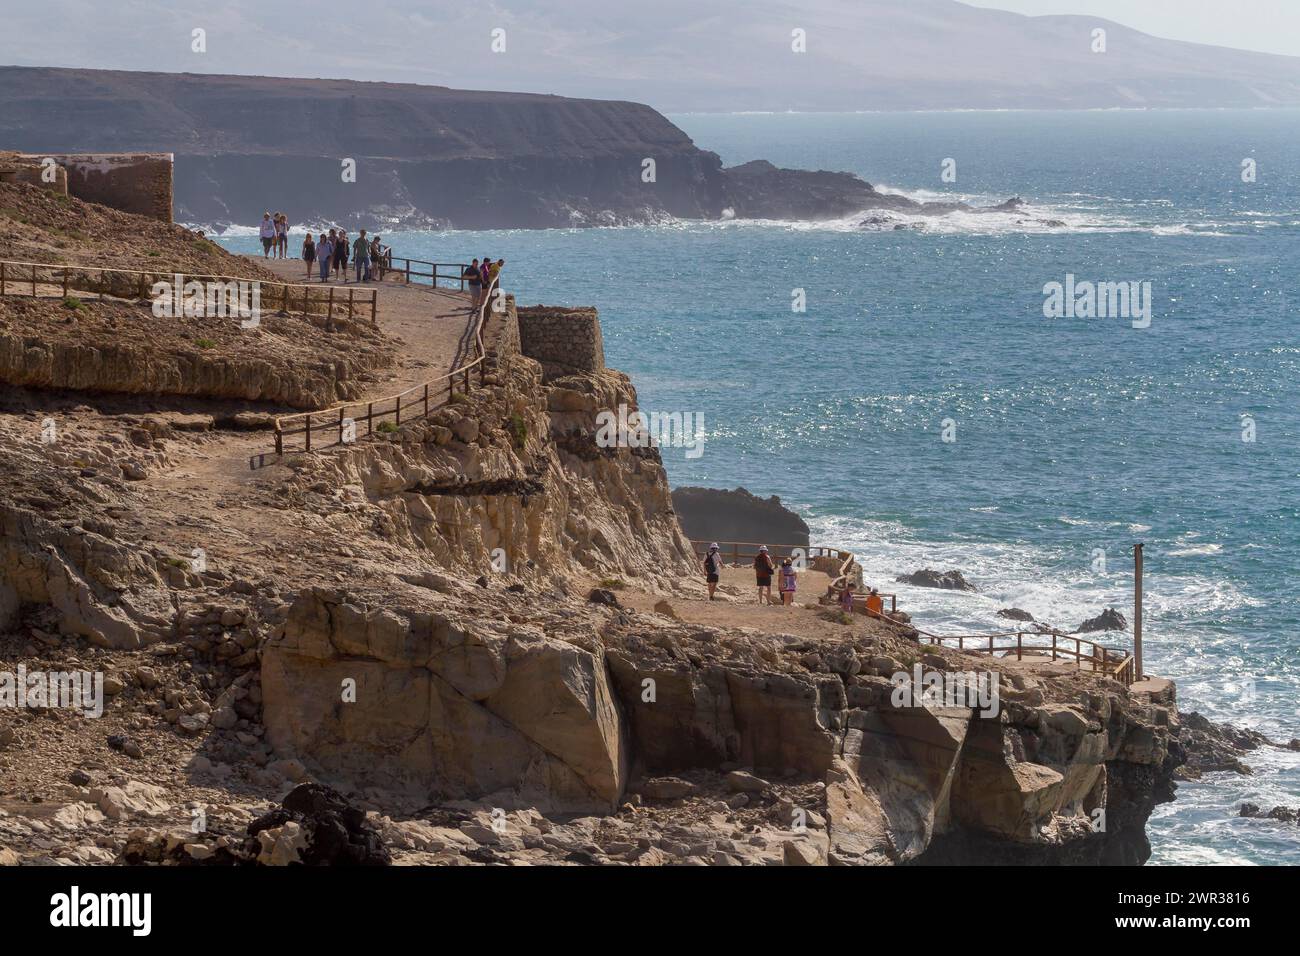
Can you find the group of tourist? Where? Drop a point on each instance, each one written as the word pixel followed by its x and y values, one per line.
pixel 479 277
pixel 275 235
pixel 370 258
pixel 765 568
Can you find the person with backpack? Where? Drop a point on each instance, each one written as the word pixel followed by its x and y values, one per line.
pixel 712 568
pixel 787 587
pixel 763 569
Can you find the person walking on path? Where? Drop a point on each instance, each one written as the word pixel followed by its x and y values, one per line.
pixel 325 255
pixel 712 568
pixel 361 256
pixel 341 256
pixel 474 279
pixel 267 232
pixel 376 259
pixel 787 586
pixel 763 569
pixel 309 253
pixel 494 280
pixel 281 235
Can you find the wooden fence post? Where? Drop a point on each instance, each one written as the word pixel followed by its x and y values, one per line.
pixel 308 433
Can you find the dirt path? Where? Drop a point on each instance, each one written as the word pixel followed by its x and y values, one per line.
pixel 429 324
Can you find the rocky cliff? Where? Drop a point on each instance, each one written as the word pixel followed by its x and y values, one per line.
pixel 486 629
pixel 423 155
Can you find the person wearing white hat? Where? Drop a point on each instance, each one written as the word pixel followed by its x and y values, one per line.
pixel 763 568
pixel 712 568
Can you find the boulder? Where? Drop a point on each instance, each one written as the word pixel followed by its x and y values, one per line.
pixel 1108 620
pixel 928 578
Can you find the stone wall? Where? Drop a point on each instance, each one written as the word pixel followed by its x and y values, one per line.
pixel 139 183
pixel 563 340
pixel 16 168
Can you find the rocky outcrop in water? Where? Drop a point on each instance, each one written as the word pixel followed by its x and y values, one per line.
pixel 713 514
pixel 1108 620
pixel 927 578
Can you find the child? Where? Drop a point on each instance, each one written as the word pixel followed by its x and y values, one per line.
pixel 846 598
pixel 788 575
pixel 763 569
pixel 712 568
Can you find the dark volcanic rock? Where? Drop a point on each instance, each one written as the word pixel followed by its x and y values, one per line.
pixel 711 514
pixel 338 833
pixel 1281 814
pixel 1108 620
pixel 1015 614
pixel 927 578
pixel 1211 747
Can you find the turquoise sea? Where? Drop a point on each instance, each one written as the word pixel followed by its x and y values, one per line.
pixel 1073 436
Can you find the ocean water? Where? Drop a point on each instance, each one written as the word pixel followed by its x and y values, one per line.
pixel 1074 437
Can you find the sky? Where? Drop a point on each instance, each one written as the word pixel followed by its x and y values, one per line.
pixel 700 55
pixel 1266 26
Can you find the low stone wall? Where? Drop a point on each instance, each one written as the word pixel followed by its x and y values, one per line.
pixel 563 340
pixel 139 183
pixel 16 168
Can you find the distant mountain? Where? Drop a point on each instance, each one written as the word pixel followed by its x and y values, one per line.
pixel 680 55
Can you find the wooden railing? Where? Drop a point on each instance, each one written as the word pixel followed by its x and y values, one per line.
pixel 331 426
pixel 408 269
pixel 1113 662
pixel 28 278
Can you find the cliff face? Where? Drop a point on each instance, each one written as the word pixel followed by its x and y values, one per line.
pixel 424 155
pixel 485 622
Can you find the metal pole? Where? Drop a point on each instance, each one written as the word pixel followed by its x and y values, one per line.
pixel 1137 611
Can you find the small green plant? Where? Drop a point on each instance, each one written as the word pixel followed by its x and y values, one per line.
pixel 205 343
pixel 518 431
pixel 72 302
pixel 835 616
pixel 458 398
pixel 613 584
pixel 386 428
pixel 178 563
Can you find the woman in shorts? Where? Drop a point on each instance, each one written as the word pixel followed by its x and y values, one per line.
pixel 712 568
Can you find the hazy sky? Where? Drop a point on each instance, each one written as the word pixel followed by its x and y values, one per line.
pixel 1269 26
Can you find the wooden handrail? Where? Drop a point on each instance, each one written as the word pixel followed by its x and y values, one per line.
pixel 287 297
pixel 334 418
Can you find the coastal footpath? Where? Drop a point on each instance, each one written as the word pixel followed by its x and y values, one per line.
pixel 474 637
